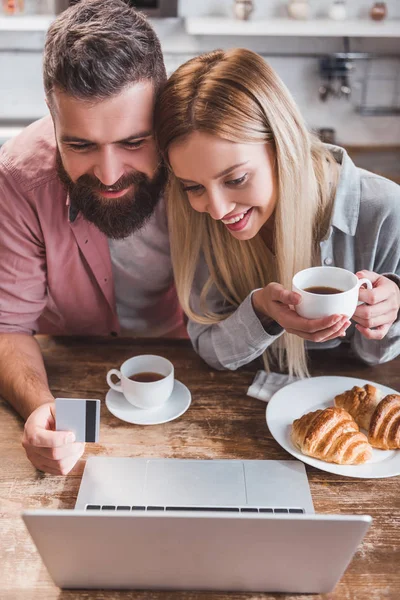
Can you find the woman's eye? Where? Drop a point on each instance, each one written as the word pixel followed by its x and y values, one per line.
pixel 237 181
pixel 192 188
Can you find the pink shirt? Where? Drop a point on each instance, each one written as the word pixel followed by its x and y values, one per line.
pixel 56 275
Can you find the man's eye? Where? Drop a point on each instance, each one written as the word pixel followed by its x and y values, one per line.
pixel 192 188
pixel 134 145
pixel 237 181
pixel 80 146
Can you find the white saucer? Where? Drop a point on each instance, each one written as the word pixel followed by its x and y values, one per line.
pixel 174 407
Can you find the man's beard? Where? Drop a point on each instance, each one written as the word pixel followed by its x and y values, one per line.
pixel 116 217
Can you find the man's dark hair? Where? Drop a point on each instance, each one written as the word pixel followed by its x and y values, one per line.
pixel 96 48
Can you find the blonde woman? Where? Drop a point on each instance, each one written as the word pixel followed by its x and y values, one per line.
pixel 253 198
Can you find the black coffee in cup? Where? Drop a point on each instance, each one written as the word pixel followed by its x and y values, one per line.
pixel 321 289
pixel 146 377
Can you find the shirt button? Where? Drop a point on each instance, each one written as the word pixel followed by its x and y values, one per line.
pixel 328 261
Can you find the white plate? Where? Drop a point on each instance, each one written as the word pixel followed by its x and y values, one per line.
pixel 296 399
pixel 174 407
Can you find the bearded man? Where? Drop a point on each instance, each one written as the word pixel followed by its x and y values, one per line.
pixel 83 242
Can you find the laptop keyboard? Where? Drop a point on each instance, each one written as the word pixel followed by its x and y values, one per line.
pixel 222 509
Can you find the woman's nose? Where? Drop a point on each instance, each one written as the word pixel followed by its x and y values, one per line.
pixel 218 206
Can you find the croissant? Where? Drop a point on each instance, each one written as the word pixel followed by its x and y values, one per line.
pixel 380 417
pixel 331 435
pixel 360 402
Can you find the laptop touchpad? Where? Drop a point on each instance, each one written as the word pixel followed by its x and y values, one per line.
pixel 195 483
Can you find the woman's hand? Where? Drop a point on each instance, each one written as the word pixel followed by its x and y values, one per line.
pixel 381 307
pixel 275 301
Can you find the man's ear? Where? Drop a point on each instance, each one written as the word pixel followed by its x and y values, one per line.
pixel 48 104
pixel 51 111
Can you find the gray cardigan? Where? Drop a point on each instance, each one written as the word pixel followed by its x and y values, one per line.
pixel 364 234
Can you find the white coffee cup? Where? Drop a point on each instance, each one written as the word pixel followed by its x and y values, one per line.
pixel 315 306
pixel 148 394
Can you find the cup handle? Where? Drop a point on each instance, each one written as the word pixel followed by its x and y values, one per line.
pixel 367 283
pixel 115 386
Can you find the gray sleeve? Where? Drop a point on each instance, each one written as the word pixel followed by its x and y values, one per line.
pixel 233 342
pixel 384 211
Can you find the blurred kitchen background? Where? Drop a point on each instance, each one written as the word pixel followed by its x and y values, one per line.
pixel 340 59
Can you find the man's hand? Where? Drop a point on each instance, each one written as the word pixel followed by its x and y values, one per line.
pixel 275 301
pixel 381 307
pixel 51 451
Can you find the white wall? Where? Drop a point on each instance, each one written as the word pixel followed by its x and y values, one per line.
pixel 22 95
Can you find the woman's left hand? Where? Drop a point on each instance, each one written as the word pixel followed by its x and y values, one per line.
pixel 381 307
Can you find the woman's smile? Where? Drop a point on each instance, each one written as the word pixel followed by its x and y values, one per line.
pixel 239 222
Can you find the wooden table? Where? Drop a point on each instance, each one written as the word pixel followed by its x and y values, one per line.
pixel 222 422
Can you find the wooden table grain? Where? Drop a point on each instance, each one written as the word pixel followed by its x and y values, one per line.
pixel 222 422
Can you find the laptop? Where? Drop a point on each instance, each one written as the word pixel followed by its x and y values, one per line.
pixel 232 525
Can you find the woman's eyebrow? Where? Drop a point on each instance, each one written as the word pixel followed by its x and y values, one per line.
pixel 229 169
pixel 221 174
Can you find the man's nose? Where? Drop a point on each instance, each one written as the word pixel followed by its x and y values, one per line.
pixel 109 168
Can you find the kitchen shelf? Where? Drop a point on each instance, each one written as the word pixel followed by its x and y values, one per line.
pixel 225 26
pixel 292 27
pixel 28 23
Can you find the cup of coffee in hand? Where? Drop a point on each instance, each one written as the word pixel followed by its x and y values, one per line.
pixel 146 381
pixel 327 291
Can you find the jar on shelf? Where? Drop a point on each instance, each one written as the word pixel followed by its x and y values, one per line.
pixel 299 9
pixel 378 11
pixel 13 7
pixel 337 10
pixel 242 9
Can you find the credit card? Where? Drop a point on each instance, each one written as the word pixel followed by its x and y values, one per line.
pixel 79 415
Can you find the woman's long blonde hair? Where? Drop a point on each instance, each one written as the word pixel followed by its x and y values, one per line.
pixel 237 96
